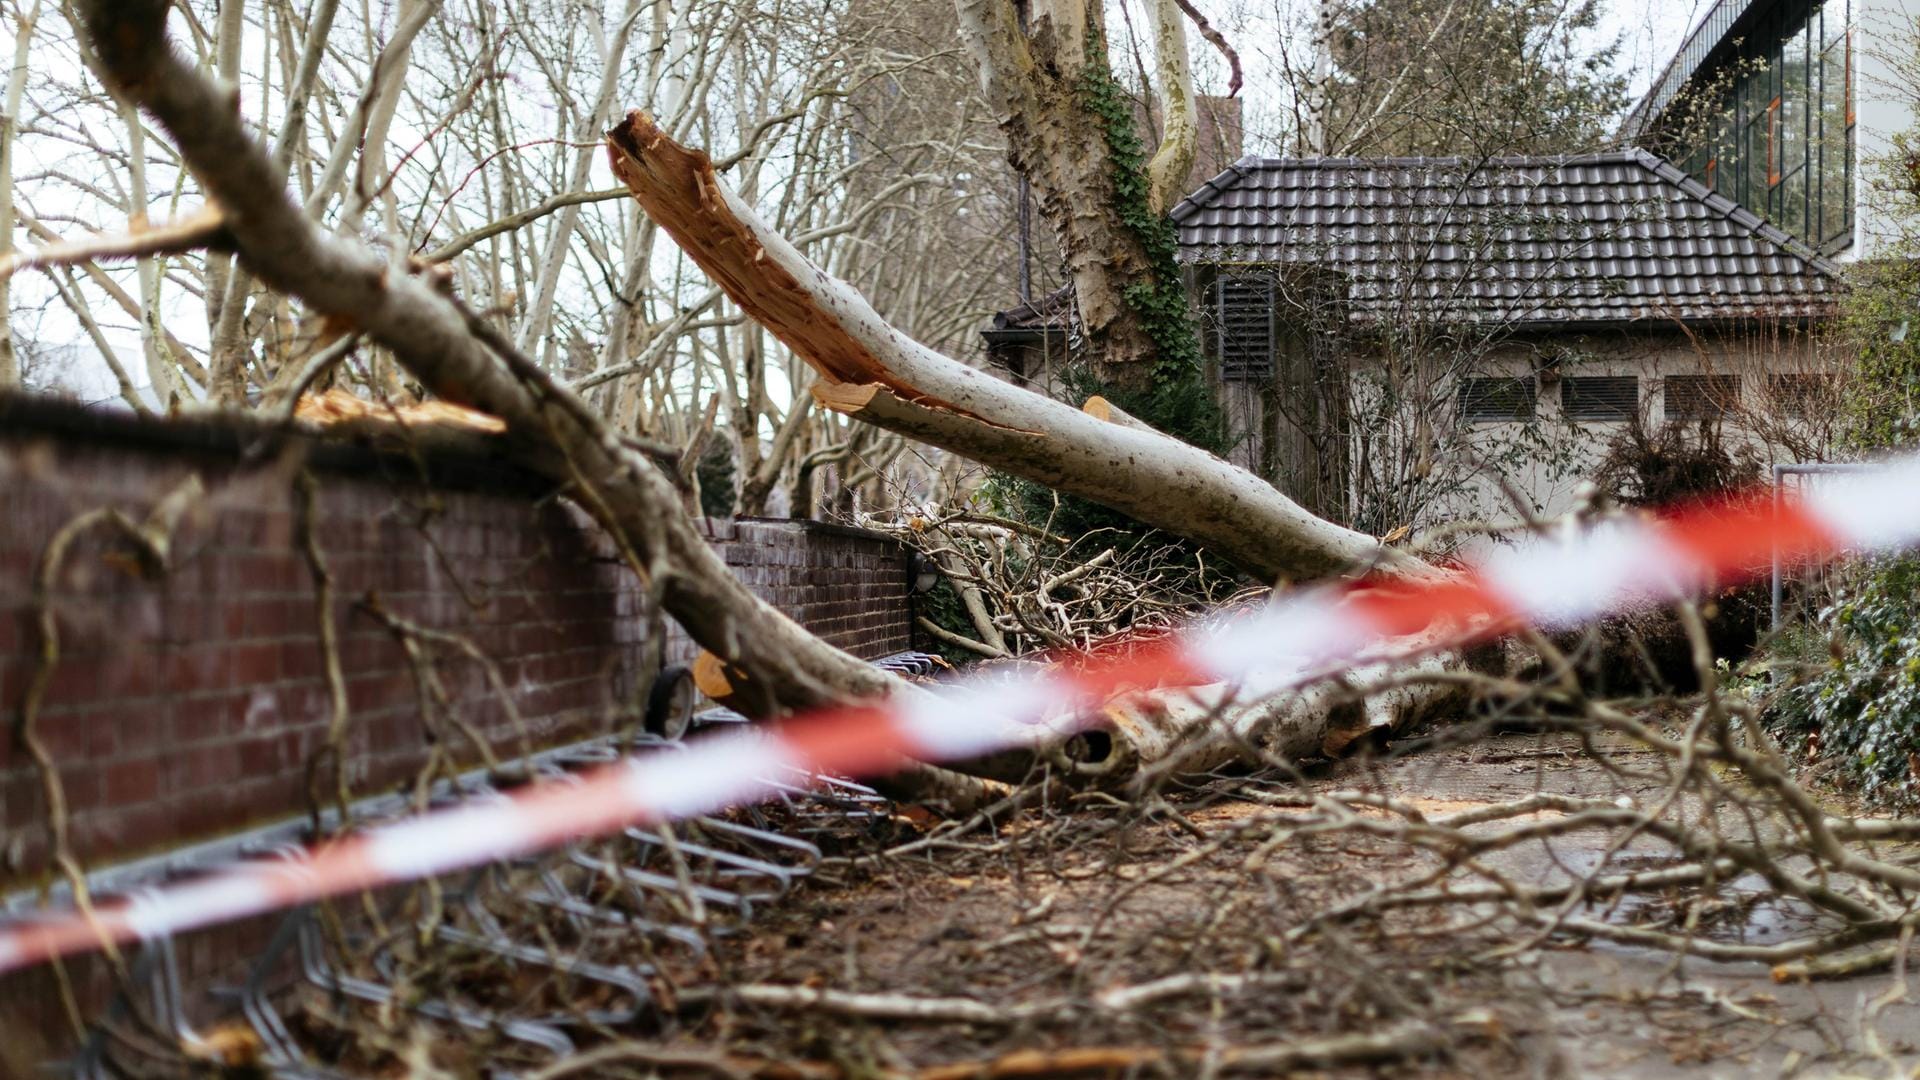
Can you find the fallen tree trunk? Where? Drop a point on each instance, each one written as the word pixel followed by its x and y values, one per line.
pixel 872 372
pixel 1204 728
pixel 461 358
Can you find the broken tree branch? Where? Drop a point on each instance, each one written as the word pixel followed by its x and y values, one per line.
pixel 874 373
pixel 197 231
pixel 448 349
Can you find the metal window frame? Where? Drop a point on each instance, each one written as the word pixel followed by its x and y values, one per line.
pixel 1777 589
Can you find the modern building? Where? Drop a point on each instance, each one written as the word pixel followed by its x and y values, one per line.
pixel 1789 107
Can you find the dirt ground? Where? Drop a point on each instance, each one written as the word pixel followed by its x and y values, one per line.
pixel 1048 925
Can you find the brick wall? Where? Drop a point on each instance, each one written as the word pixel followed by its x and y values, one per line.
pixel 187 704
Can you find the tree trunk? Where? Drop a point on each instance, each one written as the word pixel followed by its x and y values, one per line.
pixel 1180 130
pixel 9 126
pixel 1070 132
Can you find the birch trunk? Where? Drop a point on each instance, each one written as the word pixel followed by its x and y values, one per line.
pixel 9 121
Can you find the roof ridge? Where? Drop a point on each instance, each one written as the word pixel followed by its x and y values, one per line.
pixel 1507 161
pixel 1202 196
pixel 1738 215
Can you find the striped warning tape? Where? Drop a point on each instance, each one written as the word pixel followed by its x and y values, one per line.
pixel 1548 581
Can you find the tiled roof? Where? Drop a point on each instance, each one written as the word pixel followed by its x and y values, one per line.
pixel 1617 237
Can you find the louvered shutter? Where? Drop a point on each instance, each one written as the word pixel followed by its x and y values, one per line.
pixel 1702 397
pixel 1243 319
pixel 1600 397
pixel 1497 400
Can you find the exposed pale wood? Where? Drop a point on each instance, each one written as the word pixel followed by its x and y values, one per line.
pixel 1101 409
pixel 338 406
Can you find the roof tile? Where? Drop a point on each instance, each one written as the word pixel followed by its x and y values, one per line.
pixel 1602 237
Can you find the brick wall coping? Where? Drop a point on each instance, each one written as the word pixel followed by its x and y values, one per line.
pixel 823 528
pixel 436 456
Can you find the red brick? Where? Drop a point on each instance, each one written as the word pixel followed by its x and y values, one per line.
pixel 254 663
pixel 198 667
pixel 135 781
pixel 303 659
pixel 204 718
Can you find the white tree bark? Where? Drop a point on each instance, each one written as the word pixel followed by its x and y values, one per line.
pixel 9 123
pixel 1180 137
pixel 540 316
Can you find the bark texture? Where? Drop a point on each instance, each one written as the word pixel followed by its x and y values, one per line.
pixel 1180 126
pixel 1043 83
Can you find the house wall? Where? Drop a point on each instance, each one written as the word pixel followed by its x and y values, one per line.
pixel 1548 459
pixel 1886 57
pixel 1561 454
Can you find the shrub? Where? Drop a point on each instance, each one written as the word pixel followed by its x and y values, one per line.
pixel 1857 707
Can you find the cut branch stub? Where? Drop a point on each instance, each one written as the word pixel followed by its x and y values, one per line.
pixel 1101 409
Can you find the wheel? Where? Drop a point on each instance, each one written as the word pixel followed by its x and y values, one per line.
pixel 670 703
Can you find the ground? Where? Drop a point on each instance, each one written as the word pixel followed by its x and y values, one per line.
pixel 1062 907
pixel 1195 932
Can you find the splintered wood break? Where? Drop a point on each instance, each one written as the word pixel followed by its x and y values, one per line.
pixel 677 188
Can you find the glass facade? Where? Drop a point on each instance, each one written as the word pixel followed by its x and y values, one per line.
pixel 1777 134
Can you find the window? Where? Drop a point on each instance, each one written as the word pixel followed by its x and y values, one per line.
pixel 1244 326
pixel 1834 142
pixel 1800 396
pixel 1600 397
pixel 1702 397
pixel 1757 154
pixel 1497 400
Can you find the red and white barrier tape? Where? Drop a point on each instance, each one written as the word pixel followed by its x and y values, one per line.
pixel 1552 583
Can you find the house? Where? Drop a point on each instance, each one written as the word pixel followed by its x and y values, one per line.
pixel 1400 340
